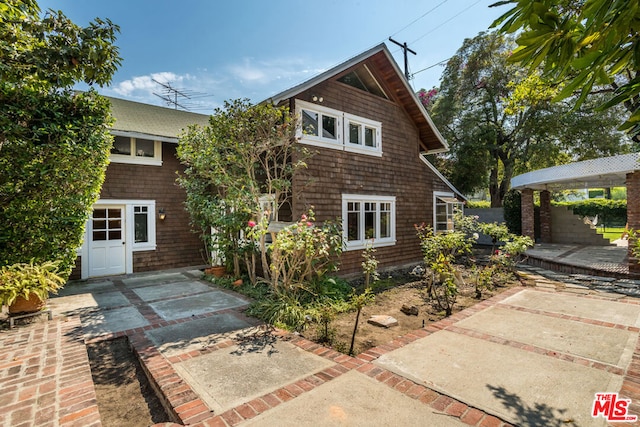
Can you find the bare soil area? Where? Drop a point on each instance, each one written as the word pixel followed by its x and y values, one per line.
pixel 125 397
pixel 389 302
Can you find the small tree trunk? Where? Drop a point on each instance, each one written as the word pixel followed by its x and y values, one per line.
pixel 353 336
pixel 263 253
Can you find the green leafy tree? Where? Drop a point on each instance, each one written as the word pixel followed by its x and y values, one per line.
pixel 585 45
pixel 246 152
pixel 54 142
pixel 500 121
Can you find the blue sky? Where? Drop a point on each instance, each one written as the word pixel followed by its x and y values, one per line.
pixel 253 49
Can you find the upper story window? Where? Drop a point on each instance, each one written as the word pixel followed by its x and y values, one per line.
pixel 141 151
pixel 330 128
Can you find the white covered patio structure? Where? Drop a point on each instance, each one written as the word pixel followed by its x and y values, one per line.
pixel 606 172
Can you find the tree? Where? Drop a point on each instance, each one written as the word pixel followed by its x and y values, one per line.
pixel 246 155
pixel 499 120
pixel 54 142
pixel 582 44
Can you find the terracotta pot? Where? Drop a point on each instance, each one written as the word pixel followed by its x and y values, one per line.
pixel 217 270
pixel 31 305
pixel 237 282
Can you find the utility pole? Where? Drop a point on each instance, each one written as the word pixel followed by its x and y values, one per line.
pixel 405 49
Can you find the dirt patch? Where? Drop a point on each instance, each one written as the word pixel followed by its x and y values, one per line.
pixel 389 302
pixel 124 394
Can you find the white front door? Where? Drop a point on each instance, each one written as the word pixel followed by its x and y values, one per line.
pixel 106 233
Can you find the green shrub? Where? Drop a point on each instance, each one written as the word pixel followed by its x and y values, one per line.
pixel 26 279
pixel 478 204
pixel 609 212
pixel 511 205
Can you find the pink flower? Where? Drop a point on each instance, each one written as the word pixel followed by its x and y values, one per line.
pixel 303 217
pixel 251 224
pixel 309 223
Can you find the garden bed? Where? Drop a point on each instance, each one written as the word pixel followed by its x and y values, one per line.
pixel 123 392
pixel 389 302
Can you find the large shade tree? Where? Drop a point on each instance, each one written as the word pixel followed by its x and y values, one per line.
pixel 500 121
pixel 54 142
pixel 583 44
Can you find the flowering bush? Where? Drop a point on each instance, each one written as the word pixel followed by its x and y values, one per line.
pixel 304 252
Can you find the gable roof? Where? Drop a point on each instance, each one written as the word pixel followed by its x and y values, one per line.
pixel 380 58
pixel 151 121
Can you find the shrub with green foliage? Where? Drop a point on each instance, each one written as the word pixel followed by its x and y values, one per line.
pixel 27 279
pixel 511 205
pixel 478 204
pixel 54 142
pixel 609 212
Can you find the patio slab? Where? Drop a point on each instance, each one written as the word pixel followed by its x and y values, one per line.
pixel 180 308
pixel 258 365
pixel 588 308
pixel 356 400
pixel 518 386
pixel 81 303
pixel 154 279
pixel 614 346
pixel 171 290
pixel 197 334
pixel 111 321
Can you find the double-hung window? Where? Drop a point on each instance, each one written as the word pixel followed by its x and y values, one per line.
pixel 325 127
pixel 366 218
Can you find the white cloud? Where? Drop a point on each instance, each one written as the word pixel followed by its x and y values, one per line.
pixel 210 87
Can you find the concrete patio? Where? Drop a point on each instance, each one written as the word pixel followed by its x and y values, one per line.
pixel 529 356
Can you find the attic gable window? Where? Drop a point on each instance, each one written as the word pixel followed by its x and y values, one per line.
pixel 361 78
pixel 329 128
pixel 140 151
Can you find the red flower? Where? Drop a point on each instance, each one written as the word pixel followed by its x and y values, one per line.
pixel 251 224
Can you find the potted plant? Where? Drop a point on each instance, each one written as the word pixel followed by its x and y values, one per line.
pixel 25 287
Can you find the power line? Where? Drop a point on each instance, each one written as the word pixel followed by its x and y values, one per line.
pixel 419 18
pixel 445 22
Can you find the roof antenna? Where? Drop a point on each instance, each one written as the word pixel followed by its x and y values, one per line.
pixel 405 49
pixel 170 96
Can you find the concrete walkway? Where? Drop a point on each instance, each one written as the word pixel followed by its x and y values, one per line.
pixel 529 356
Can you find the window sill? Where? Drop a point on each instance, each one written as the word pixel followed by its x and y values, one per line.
pixel 140 247
pixel 362 150
pixel 114 158
pixel 356 245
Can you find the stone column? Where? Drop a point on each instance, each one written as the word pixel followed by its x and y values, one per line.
pixel 527 212
pixel 633 214
pixel 545 216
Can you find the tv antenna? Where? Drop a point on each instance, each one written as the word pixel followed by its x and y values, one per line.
pixel 176 97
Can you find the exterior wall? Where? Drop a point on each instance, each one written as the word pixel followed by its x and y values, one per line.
pixel 569 228
pixel 399 172
pixel 176 245
pixel 486 215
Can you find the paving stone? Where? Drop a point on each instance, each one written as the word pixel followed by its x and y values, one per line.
pixel 382 320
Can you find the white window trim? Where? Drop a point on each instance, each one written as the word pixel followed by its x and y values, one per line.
pixel 377 242
pixel 361 148
pixel 156 160
pixel 343 119
pixel 129 221
pixel 436 196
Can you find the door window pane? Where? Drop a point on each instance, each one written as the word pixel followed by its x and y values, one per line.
pixel 115 234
